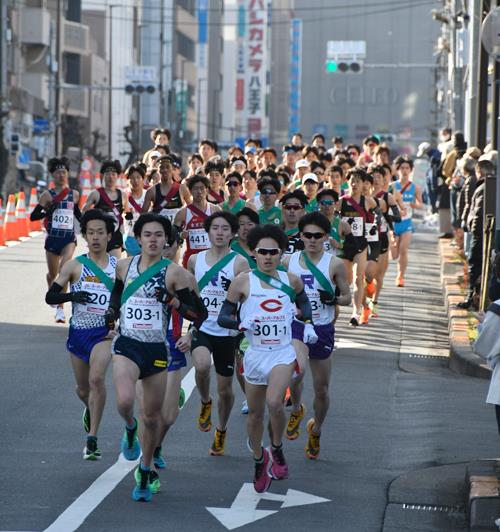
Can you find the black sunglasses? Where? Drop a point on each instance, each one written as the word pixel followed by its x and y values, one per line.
pixel 316 236
pixel 233 183
pixel 268 251
pixel 292 207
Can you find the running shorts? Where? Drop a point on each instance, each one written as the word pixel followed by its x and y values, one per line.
pixel 177 357
pixel 56 245
pixel 150 357
pixel 373 251
pixel 223 349
pixel 323 348
pixel 257 365
pixel 80 342
pixel 384 242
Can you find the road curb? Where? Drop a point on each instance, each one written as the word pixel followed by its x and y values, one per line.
pixel 462 359
pixel 482 480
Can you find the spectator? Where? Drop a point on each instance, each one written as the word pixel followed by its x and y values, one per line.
pixel 468 169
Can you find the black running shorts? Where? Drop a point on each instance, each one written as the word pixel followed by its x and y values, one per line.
pixel 223 349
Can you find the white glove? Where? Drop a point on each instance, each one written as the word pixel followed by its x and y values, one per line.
pixel 310 336
pixel 249 324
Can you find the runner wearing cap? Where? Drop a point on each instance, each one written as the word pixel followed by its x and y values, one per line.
pixel 310 185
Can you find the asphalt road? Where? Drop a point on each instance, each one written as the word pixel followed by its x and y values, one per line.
pixel 397 415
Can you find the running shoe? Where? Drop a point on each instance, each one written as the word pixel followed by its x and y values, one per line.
pixel 86 420
pixel 312 446
pixel 182 397
pixel 130 447
pixel 142 489
pixel 293 427
pixel 158 459
pixel 217 448
pixel 279 469
pixel 60 317
pixel 354 321
pixel 365 316
pixel 91 451
pixel 374 309
pixel 400 282
pixel 154 481
pixel 205 417
pixel 244 407
pixel 262 479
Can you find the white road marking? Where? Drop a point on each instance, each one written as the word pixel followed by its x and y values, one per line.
pixel 73 517
pixel 243 510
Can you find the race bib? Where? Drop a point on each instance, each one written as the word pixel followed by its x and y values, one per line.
pixel 409 212
pixel 198 239
pixel 383 226
pixel 143 313
pixel 99 298
pixel 213 299
pixel 271 333
pixel 371 232
pixel 356 224
pixel 169 213
pixel 63 219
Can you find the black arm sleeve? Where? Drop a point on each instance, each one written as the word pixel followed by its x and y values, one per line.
pixel 302 301
pixel 38 213
pixel 395 214
pixel 116 296
pixel 191 306
pixel 55 297
pixel 227 315
pixel 78 212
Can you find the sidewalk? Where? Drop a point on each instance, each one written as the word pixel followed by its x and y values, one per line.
pixel 462 358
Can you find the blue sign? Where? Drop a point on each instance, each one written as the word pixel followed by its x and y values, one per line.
pixel 202 21
pixel 295 77
pixel 40 125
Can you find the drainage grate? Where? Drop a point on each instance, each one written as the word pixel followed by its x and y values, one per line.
pixel 433 357
pixel 433 508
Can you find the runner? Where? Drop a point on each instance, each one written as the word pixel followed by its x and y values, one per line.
pixel 135 175
pixel 165 196
pixel 190 219
pixel 267 299
pixel 412 199
pixel 310 185
pixel 214 170
pixel 59 207
pixel 340 229
pixel 352 208
pixel 269 189
pixel 292 208
pixel 142 299
pixel 234 202
pixel 214 270
pixel 91 279
pixel 111 200
pixel 324 278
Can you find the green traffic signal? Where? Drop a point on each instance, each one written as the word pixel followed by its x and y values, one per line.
pixel 331 66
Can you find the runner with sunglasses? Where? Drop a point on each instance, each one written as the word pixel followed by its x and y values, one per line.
pixel 324 278
pixel 292 208
pixel 269 213
pixel 340 229
pixel 262 303
pixel 214 270
pixel 234 202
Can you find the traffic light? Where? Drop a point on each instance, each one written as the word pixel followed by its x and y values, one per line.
pixel 139 89
pixel 331 65
pixel 344 65
pixel 14 143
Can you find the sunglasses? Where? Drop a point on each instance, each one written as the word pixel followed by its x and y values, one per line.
pixel 233 183
pixel 316 236
pixel 268 192
pixel 268 251
pixel 292 207
pixel 326 202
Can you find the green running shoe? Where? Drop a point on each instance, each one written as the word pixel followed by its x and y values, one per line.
pixel 142 489
pixel 86 420
pixel 182 397
pixel 154 481
pixel 91 451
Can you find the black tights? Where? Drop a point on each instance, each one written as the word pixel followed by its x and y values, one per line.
pixel 497 413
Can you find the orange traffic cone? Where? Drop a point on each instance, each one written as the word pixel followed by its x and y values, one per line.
pixel 84 192
pixel 10 225
pixel 34 226
pixel 22 222
pixel 2 236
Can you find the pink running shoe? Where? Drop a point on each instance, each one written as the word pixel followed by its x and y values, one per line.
pixel 262 480
pixel 279 469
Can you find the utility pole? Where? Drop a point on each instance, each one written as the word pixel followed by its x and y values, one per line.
pixel 473 77
pixel 110 76
pixel 482 117
pixel 57 104
pixel 162 64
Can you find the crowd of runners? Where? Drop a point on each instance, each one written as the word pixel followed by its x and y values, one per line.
pixel 244 262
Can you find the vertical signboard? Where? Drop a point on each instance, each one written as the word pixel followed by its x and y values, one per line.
pixel 202 70
pixel 295 76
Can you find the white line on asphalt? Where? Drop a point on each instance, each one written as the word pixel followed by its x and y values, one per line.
pixel 89 500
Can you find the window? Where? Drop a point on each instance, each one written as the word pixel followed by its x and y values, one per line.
pixel 186 47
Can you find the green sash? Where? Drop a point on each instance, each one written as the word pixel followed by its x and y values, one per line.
pixel 215 269
pixel 292 232
pixel 276 283
pixel 143 278
pixel 322 280
pixel 236 246
pixel 100 274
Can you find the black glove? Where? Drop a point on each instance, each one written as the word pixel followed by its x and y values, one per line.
pixel 110 317
pixel 164 296
pixel 81 297
pixel 373 230
pixel 225 282
pixel 129 216
pixel 327 298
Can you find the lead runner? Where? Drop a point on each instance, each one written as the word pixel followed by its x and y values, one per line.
pixel 266 298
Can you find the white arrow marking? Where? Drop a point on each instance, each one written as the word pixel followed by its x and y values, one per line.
pixel 244 508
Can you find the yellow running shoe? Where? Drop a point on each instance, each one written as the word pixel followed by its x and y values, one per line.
pixel 205 417
pixel 217 448
pixel 312 446
pixel 293 427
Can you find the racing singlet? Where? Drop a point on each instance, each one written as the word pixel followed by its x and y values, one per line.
pixel 321 314
pixel 271 216
pixel 115 207
pixel 142 316
pixel 90 315
pixel 197 239
pixel 354 214
pixel 335 235
pixel 135 207
pixel 372 225
pixel 213 293
pixel 408 194
pixel 274 310
pixel 384 227
pixel 167 206
pixel 294 241
pixel 61 223
pixel 215 198
pixel 235 208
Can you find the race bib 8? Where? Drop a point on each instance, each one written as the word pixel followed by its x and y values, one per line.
pixel 99 298
pixel 356 224
pixel 63 219
pixel 143 313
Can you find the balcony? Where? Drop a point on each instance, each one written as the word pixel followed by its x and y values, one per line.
pixel 35 26
pixel 75 101
pixel 75 38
